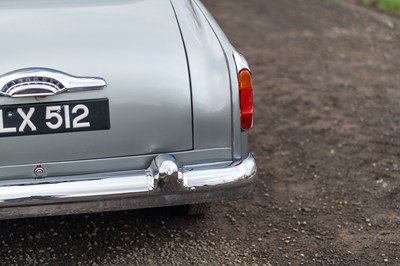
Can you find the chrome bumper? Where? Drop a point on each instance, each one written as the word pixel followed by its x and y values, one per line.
pixel 162 184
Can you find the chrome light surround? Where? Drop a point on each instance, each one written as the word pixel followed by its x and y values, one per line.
pixel 240 61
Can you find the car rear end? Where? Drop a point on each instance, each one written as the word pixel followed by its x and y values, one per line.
pixel 106 107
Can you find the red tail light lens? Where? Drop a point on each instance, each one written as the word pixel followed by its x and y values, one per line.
pixel 246 99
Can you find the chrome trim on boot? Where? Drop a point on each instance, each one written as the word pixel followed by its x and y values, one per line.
pixel 42 82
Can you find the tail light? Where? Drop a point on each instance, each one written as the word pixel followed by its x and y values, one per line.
pixel 246 99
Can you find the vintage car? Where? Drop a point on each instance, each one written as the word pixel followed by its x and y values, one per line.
pixel 119 104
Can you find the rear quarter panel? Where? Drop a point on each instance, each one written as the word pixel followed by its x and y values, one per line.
pixel 216 113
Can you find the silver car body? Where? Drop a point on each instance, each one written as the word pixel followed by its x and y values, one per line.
pixel 171 83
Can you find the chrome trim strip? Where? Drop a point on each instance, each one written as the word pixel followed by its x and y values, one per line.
pixel 141 185
pixel 241 62
pixel 211 177
pixel 34 82
pixel 128 202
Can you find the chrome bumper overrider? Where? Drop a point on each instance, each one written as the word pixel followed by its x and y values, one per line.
pixel 162 184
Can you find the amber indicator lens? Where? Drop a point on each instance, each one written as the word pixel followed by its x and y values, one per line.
pixel 246 99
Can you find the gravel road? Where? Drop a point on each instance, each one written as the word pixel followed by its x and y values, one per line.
pixel 326 138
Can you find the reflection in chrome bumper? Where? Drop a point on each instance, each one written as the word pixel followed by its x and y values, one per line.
pixel 162 184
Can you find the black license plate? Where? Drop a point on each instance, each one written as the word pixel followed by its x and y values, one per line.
pixel 54 117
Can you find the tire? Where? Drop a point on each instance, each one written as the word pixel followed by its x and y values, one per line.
pixel 197 209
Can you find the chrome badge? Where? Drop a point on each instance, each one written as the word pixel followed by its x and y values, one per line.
pixel 37 82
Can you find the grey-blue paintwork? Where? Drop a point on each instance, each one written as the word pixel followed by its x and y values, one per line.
pixel 137 47
pixel 171 81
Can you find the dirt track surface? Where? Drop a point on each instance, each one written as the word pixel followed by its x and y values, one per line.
pixel 326 138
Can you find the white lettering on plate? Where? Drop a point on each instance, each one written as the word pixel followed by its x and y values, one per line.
pixel 5 130
pixel 66 114
pixel 54 112
pixel 76 122
pixel 27 119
